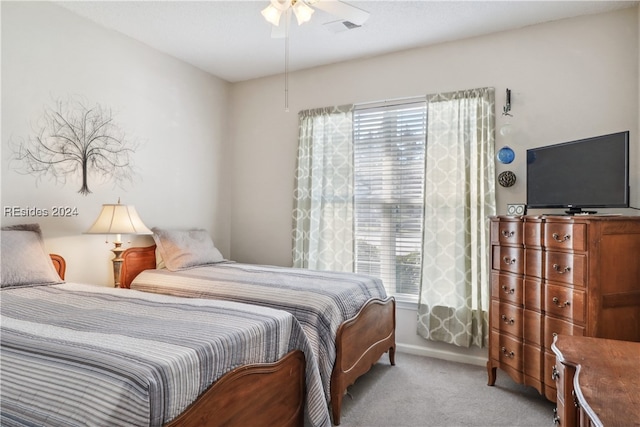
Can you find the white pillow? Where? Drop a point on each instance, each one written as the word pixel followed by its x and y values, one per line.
pixel 25 261
pixel 185 249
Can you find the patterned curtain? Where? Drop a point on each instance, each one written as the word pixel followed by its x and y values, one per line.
pixel 323 198
pixel 459 197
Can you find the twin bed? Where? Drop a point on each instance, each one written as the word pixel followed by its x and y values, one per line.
pixel 76 354
pixel 348 317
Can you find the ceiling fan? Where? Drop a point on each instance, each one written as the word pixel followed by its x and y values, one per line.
pixel 349 16
pixel 303 9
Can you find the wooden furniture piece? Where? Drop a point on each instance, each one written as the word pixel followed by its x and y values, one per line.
pixel 269 394
pixel 59 264
pixel 550 275
pixel 598 381
pixel 254 395
pixel 360 341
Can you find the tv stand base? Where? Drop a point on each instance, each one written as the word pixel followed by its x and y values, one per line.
pixel 579 211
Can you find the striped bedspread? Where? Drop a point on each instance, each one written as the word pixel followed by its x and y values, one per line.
pixel 320 300
pixel 82 355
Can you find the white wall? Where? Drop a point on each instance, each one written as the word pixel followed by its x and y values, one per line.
pixel 569 79
pixel 177 112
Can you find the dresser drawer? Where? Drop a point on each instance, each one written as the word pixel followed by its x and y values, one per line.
pixel 563 301
pixel 558 416
pixel 559 377
pixel 571 237
pixel 533 262
pixel 554 326
pixel 563 376
pixel 533 294
pixel 565 268
pixel 550 390
pixel 507 287
pixel 508 233
pixel 507 318
pixel 508 259
pixel 533 233
pixel 533 327
pixel 506 350
pixel 532 363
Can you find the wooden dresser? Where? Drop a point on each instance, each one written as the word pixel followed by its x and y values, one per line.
pixel 550 275
pixel 598 381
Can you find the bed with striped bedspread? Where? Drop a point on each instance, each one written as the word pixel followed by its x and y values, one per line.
pixel 320 300
pixel 75 354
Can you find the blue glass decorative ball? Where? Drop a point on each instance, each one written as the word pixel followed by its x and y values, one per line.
pixel 506 155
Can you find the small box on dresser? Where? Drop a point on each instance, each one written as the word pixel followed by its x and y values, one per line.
pixel 550 275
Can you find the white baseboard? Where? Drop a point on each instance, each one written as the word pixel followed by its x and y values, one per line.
pixel 441 354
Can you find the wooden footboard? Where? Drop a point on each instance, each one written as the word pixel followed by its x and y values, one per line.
pixel 360 342
pixel 254 395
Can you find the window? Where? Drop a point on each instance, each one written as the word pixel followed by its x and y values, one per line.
pixel 389 149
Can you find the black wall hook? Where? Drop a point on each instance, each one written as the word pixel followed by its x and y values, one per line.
pixel 507 105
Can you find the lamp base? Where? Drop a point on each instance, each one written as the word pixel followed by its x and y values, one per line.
pixel 117 263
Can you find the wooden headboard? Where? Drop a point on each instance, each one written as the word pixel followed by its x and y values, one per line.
pixel 59 263
pixel 135 261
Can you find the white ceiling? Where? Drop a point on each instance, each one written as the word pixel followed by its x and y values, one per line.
pixel 231 40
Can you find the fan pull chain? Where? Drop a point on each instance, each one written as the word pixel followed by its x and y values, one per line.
pixel 286 61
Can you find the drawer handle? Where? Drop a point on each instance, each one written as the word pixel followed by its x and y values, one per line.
pixel 555 374
pixel 508 321
pixel 556 301
pixel 507 233
pixel 559 239
pixel 508 260
pixel 556 418
pixel 561 270
pixel 509 354
pixel 507 290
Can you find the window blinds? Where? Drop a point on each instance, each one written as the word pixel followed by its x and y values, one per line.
pixel 389 149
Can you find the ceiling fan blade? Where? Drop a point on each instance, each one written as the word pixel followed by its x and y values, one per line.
pixel 341 10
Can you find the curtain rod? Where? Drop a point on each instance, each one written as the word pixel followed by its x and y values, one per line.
pixel 392 101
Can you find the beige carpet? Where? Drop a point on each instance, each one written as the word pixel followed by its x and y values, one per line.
pixel 421 391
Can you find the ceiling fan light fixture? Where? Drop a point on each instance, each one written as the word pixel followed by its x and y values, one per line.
pixel 272 14
pixel 302 11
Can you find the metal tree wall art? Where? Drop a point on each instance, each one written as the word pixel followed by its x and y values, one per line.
pixel 76 141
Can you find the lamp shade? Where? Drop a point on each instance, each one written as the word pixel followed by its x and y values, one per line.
pixel 118 219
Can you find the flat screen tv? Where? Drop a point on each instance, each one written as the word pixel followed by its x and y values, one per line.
pixel 578 175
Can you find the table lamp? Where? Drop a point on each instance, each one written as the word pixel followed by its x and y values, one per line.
pixel 118 219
